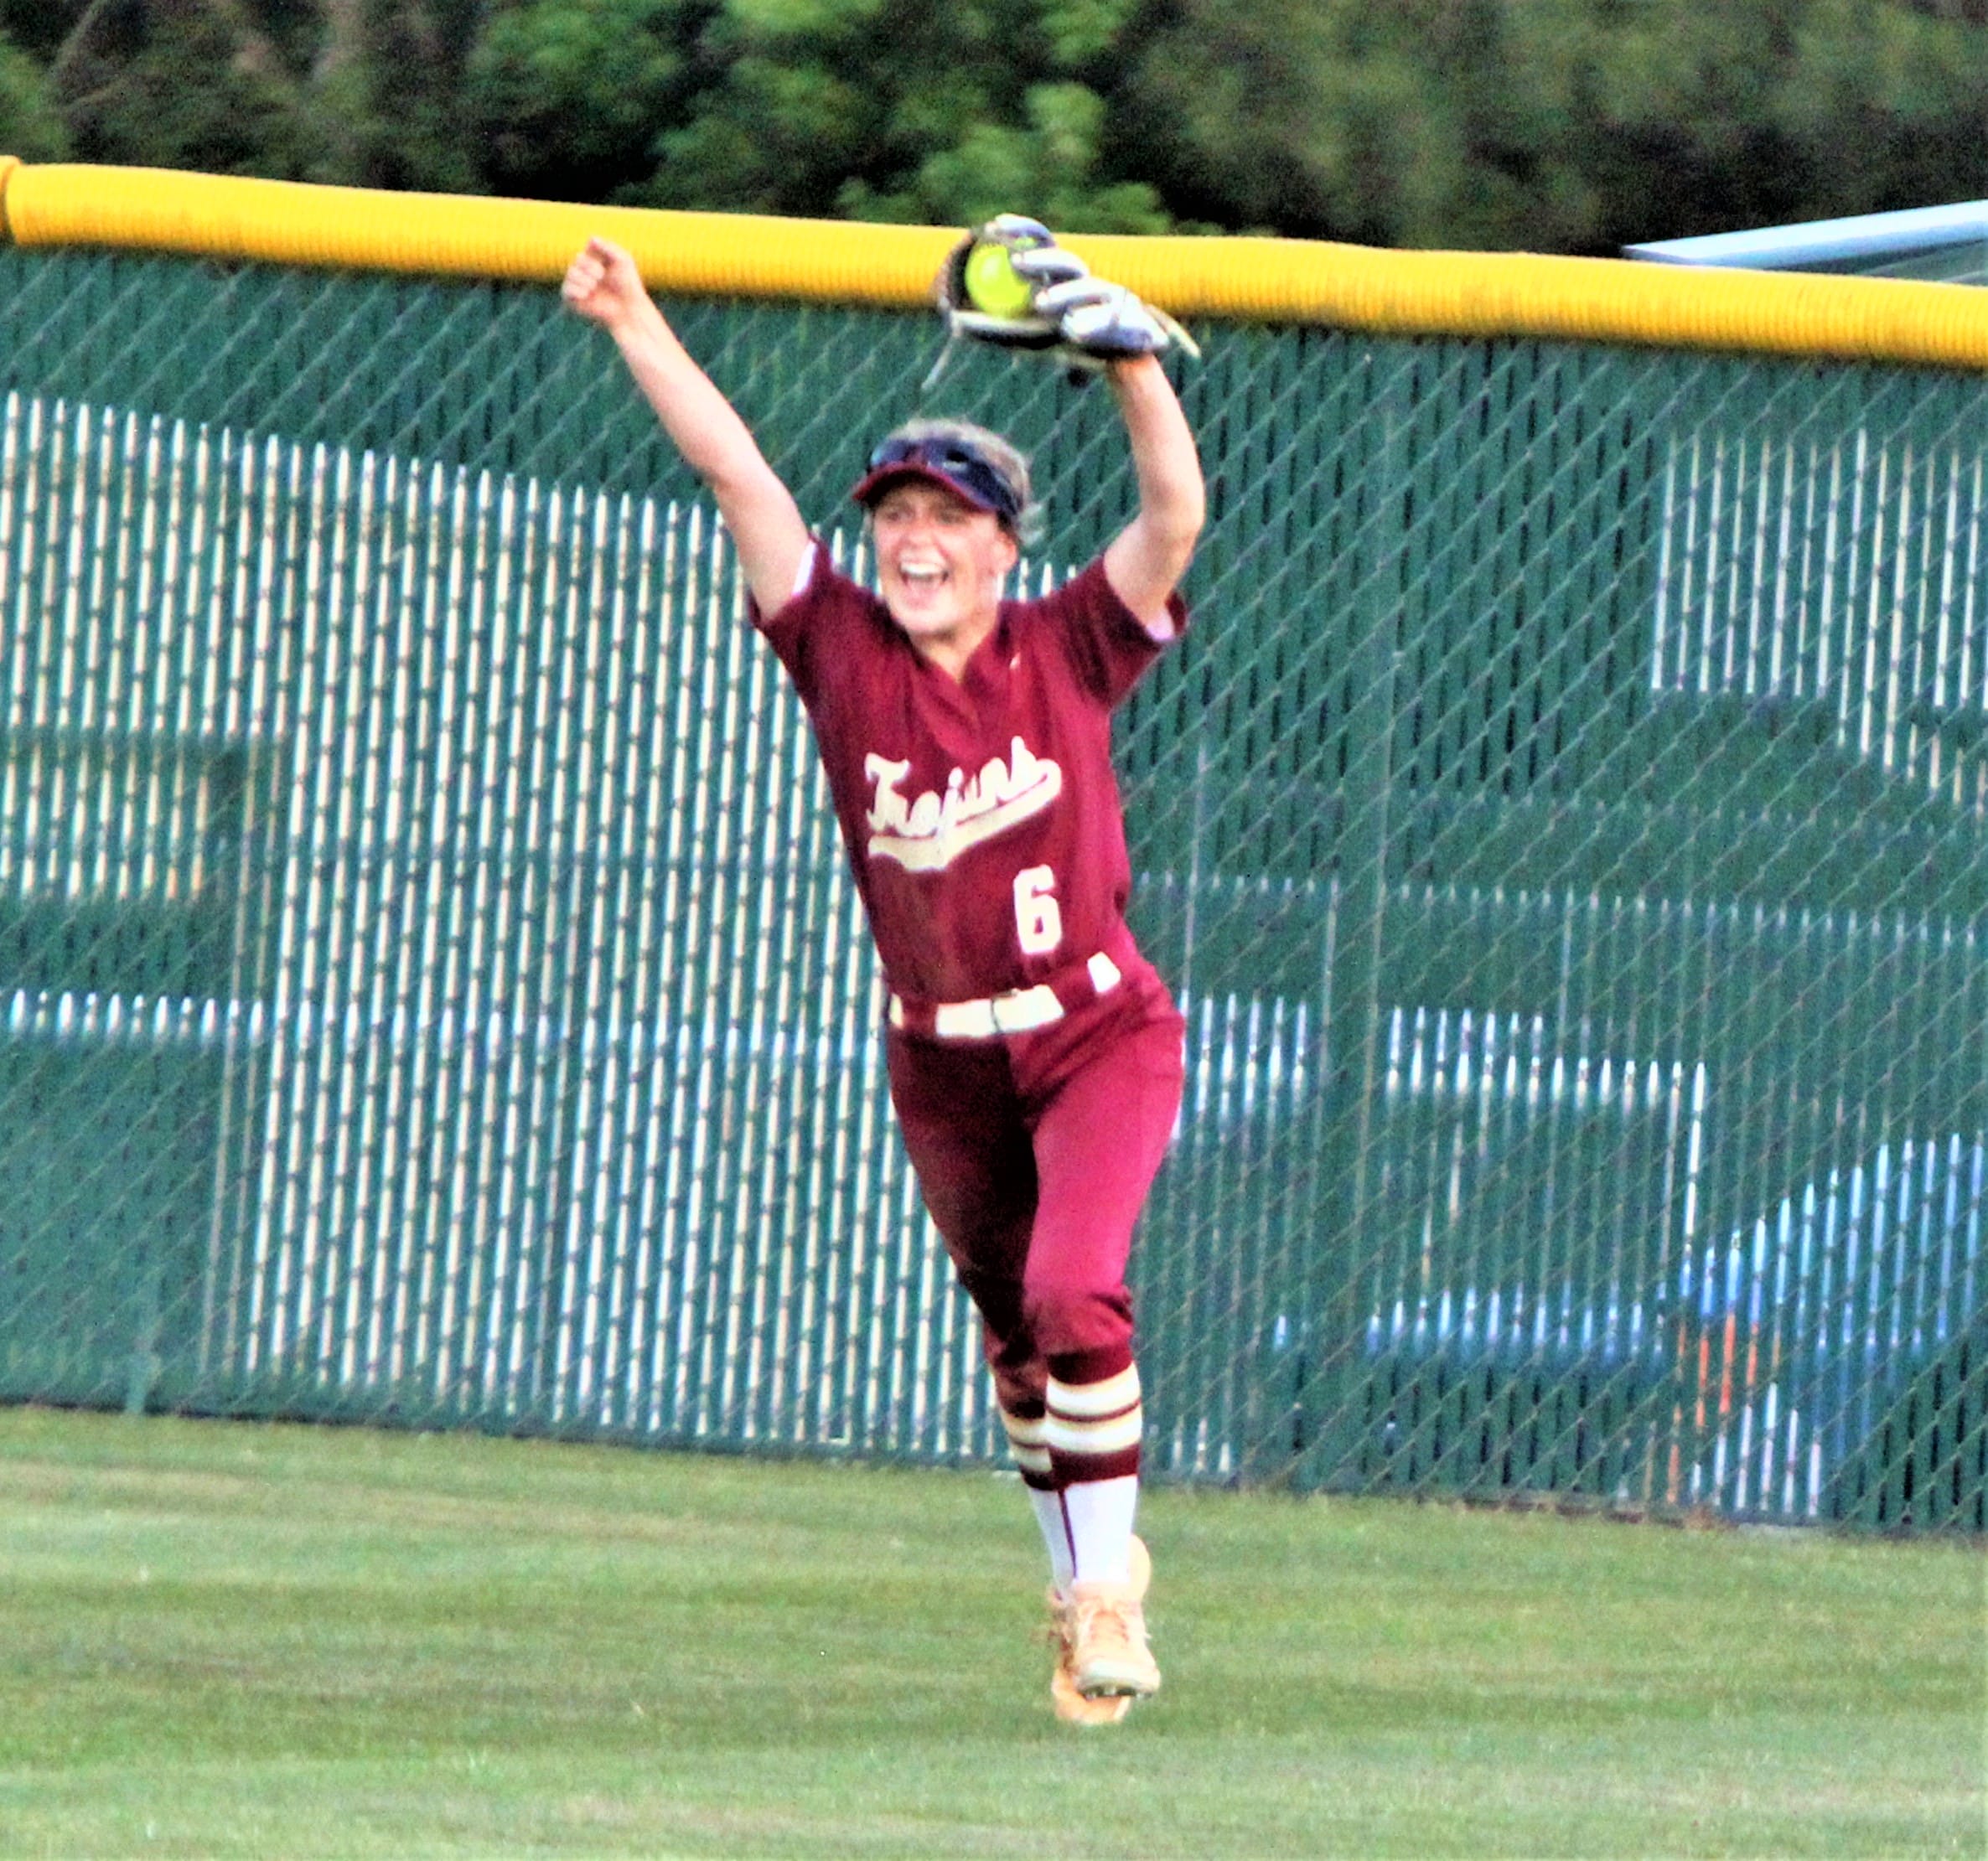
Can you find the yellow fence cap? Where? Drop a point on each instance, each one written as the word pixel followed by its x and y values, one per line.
pixel 1392 293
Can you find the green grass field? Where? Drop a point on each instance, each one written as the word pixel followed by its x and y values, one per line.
pixel 235 1639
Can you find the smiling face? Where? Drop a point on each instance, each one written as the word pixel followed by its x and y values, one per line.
pixel 941 564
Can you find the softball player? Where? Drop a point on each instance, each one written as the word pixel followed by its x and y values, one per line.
pixel 1035 1057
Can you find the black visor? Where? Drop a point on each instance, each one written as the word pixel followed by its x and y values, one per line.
pixel 942 459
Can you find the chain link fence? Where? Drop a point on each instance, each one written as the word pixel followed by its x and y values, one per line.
pixel 430 991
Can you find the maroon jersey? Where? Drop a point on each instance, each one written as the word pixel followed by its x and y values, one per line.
pixel 981 816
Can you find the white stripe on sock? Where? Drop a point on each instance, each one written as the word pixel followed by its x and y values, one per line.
pixel 1081 1400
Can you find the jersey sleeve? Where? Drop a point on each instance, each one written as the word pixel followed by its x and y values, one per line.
pixel 1108 646
pixel 825 601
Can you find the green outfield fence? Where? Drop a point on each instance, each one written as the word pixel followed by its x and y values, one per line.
pixel 430 991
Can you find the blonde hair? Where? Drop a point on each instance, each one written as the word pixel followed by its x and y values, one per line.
pixel 1006 459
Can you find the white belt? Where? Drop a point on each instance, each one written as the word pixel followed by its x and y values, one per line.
pixel 1016 1011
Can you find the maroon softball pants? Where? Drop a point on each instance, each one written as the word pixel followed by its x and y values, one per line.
pixel 1034 1153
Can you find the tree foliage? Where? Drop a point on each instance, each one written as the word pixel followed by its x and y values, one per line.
pixel 1553 125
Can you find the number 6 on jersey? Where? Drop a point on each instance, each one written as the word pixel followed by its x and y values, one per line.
pixel 1038 919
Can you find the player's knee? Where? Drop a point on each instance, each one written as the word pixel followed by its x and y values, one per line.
pixel 1066 1316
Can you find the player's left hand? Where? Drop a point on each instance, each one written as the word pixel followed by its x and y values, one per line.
pixel 1009 283
pixel 1097 322
pixel 987 286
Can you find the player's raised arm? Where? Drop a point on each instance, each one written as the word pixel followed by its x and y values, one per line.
pixel 1147 559
pixel 603 286
pixel 1009 283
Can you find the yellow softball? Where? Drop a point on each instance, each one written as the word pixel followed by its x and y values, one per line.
pixel 996 288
